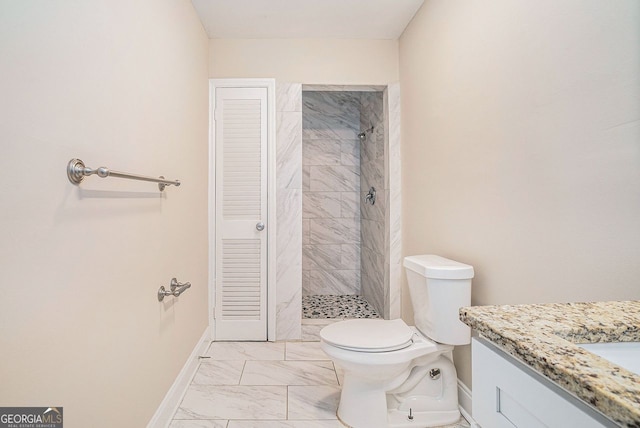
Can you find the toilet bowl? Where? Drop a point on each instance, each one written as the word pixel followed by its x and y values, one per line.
pixel 396 375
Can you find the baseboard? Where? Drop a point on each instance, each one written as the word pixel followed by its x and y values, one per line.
pixel 171 401
pixel 465 400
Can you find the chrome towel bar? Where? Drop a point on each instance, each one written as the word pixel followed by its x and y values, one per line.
pixel 177 289
pixel 77 171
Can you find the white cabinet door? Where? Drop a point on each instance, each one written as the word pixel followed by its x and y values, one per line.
pixel 508 394
pixel 241 213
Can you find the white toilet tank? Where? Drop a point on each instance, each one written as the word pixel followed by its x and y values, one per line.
pixel 438 288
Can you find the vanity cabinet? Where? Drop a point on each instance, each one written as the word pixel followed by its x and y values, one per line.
pixel 508 394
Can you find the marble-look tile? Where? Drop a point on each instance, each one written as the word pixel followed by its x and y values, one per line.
pixel 350 256
pixel 306 178
pixel 288 263
pixel 339 374
pixel 327 423
pixel 334 231
pixel 289 150
pixel 311 332
pixel 372 174
pixel 350 152
pixel 233 402
pixel 350 204
pixel 373 292
pixel 343 88
pixel 288 96
pixel 334 178
pixel 334 282
pixel 306 228
pixel 330 115
pixel 313 402
pixel 306 280
pixel 373 265
pixel 309 351
pixel 394 197
pixel 288 373
pixel 198 423
pixel 321 152
pixel 321 257
pixel 246 351
pixel 321 204
pixel 218 372
pixel 373 235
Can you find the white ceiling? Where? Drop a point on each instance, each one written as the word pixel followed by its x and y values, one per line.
pixel 278 19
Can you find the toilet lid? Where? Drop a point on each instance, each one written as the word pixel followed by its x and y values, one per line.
pixel 367 335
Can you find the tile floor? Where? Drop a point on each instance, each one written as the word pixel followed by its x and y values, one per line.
pixel 263 385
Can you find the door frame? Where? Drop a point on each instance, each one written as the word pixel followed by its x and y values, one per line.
pixel 270 85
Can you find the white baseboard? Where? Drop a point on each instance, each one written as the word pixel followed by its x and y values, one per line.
pixel 171 401
pixel 465 400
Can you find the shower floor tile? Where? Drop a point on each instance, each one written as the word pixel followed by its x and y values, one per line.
pixel 336 306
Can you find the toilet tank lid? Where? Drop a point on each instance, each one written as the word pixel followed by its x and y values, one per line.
pixel 437 267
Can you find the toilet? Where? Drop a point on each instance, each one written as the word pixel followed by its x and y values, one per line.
pixel 397 375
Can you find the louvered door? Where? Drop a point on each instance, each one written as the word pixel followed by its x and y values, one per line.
pixel 241 213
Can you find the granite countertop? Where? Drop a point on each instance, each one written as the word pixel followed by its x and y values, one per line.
pixel 544 336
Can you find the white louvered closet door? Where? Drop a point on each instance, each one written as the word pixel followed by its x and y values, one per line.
pixel 241 209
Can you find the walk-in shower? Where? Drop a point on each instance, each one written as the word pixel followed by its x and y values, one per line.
pixel 343 254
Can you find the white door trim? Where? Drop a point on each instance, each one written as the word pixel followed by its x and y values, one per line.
pixel 270 85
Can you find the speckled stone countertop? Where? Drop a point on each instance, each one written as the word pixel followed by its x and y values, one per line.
pixel 544 336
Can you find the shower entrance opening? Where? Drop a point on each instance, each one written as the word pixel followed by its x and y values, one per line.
pixel 345 200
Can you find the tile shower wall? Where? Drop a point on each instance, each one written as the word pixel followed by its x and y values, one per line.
pixel 331 193
pixel 289 210
pixel 374 217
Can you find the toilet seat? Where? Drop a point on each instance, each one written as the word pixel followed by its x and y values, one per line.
pixel 368 335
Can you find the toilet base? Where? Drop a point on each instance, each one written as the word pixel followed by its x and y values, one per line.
pixel 400 419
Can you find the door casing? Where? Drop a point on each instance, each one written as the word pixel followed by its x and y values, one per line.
pixel 270 85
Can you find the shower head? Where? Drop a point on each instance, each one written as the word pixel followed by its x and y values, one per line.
pixel 363 135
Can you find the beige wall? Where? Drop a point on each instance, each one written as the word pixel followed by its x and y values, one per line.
pixel 310 61
pixel 521 146
pixel 121 84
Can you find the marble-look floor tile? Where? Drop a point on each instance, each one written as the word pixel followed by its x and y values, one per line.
pixel 327 423
pixel 218 372
pixel 313 402
pixel 309 351
pixel 233 402
pixel 288 373
pixel 311 332
pixel 198 423
pixel 246 351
